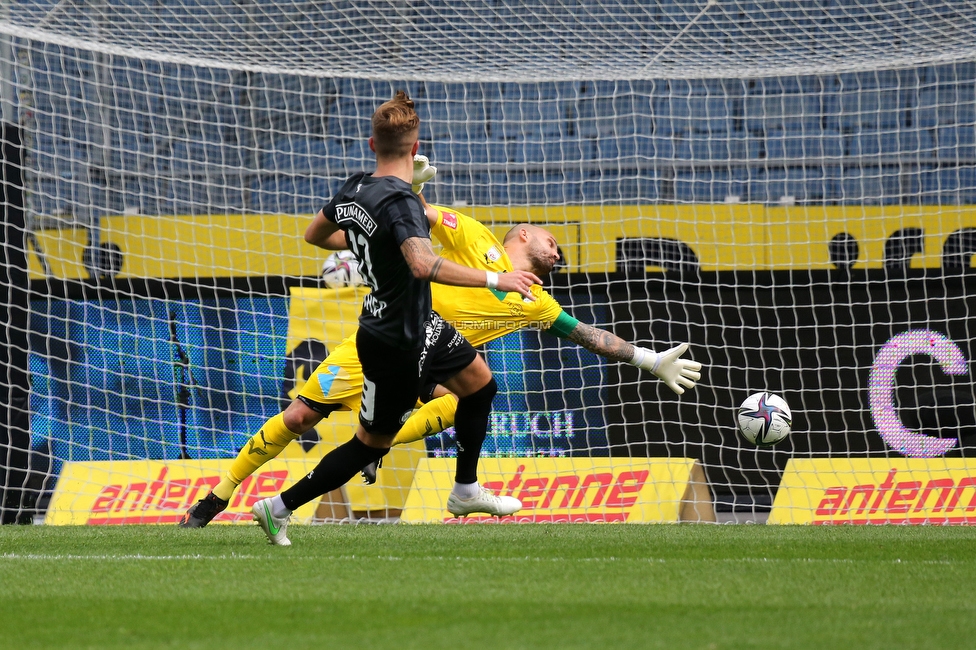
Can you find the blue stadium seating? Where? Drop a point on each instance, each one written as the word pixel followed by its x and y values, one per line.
pixel 655 147
pixel 532 188
pixel 291 194
pixel 967 184
pixel 198 124
pixel 812 186
pixel 623 186
pixel 463 187
pixel 937 186
pixel 956 103
pixel 568 149
pixel 894 188
pixel 717 146
pixel 867 185
pixel 528 151
pixel 957 142
pixel 319 156
pixel 858 143
pixel 506 188
pixel 766 185
pixel 701 186
pixel 681 143
pixel 871 108
pixel 608 149
pixel 920 142
pixel 778 111
pixel 559 188
pixel 889 142
pixel 806 184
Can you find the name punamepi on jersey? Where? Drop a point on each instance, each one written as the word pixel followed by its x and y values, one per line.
pixel 355 212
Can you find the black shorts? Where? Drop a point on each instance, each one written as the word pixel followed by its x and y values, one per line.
pixel 391 383
pixel 394 378
pixel 446 353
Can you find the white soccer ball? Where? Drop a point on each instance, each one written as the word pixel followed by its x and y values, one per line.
pixel 341 269
pixel 764 419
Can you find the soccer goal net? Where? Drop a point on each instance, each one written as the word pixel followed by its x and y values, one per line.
pixel 786 186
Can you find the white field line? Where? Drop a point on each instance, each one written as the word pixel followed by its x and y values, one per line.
pixel 440 558
pixel 137 557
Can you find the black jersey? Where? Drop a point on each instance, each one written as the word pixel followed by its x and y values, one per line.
pixel 378 214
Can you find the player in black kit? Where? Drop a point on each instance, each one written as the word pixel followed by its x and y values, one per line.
pixel 402 344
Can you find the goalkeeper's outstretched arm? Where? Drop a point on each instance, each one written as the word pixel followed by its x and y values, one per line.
pixel 676 373
pixel 599 341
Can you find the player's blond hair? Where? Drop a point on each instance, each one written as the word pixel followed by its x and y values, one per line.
pixel 395 127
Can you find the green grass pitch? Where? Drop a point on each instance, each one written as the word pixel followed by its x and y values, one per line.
pixel 485 586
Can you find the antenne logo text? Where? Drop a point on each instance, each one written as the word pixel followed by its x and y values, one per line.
pixel 117 503
pixel 604 489
pixel 936 497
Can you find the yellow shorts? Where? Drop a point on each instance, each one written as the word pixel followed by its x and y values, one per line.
pixel 338 379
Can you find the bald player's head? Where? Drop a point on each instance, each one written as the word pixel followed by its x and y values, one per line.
pixel 535 245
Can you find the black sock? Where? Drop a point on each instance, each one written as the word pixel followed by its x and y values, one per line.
pixel 470 429
pixel 333 471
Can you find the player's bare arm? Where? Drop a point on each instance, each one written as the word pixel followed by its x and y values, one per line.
pixel 430 211
pixel 337 241
pixel 602 342
pixel 677 374
pixel 325 234
pixel 425 263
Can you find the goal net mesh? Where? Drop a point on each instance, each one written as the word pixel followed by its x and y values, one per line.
pixel 783 185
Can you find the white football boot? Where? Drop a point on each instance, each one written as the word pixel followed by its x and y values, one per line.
pixel 276 528
pixel 486 501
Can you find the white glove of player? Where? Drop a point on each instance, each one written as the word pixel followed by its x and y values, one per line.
pixel 669 367
pixel 422 172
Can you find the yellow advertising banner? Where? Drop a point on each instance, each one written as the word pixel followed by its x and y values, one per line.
pixel 723 236
pixel 826 491
pixel 632 490
pixel 159 492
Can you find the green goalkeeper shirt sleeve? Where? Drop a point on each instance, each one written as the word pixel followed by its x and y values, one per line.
pixel 563 325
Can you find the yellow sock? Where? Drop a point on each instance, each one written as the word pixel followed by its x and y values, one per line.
pixel 433 417
pixel 262 447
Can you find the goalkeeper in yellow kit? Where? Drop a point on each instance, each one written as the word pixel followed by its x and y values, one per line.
pixel 480 315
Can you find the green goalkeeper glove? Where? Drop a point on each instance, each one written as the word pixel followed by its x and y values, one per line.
pixel 676 373
pixel 422 172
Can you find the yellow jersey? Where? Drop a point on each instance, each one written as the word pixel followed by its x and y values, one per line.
pixel 482 315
